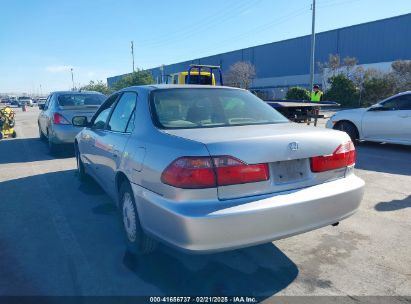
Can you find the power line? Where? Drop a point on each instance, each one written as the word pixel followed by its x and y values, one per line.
pixel 198 27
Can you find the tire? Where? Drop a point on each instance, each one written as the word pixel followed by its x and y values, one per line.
pixel 80 166
pixel 53 148
pixel 1 135
pixel 138 242
pixel 14 134
pixel 349 128
pixel 41 135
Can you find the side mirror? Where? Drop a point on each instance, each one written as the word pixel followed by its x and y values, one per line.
pixel 80 121
pixel 41 106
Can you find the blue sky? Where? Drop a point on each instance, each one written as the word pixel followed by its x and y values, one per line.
pixel 41 40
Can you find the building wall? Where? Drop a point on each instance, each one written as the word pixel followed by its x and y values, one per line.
pixel 286 63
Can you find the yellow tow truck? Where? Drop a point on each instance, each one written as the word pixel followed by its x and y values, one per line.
pixel 196 75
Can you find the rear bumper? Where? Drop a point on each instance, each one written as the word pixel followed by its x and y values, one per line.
pixel 63 134
pixel 208 227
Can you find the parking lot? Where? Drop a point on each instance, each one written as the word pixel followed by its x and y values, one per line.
pixel 61 237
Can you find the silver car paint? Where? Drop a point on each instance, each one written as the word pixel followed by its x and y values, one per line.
pixel 187 218
pixel 62 134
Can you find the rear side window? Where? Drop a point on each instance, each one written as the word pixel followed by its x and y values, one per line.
pixel 73 100
pixel 122 112
pixel 205 108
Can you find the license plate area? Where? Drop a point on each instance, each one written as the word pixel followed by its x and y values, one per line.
pixel 290 171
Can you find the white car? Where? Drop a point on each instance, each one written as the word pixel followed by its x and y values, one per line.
pixel 388 121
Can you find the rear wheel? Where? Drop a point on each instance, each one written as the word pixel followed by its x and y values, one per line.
pixel 80 166
pixel 137 241
pixel 349 128
pixel 53 148
pixel 42 137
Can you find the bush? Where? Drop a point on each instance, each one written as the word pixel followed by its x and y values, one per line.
pixel 342 90
pixel 297 93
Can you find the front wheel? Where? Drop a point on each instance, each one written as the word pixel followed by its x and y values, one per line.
pixel 80 166
pixel 349 128
pixel 138 242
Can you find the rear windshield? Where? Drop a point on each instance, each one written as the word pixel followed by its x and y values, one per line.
pixel 204 79
pixel 68 100
pixel 205 108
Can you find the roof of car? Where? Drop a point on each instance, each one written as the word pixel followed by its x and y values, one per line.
pixel 178 86
pixel 77 92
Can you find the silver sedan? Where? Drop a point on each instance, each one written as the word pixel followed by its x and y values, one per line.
pixel 208 169
pixel 54 120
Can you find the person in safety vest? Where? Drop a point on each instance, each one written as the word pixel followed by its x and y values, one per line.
pixel 316 94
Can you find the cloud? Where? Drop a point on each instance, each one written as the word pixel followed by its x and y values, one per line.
pixel 58 68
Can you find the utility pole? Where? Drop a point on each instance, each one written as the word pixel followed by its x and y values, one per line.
pixel 312 59
pixel 72 78
pixel 132 52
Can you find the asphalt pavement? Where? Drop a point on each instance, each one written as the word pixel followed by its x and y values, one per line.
pixel 61 237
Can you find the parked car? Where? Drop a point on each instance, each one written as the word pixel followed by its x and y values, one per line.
pixel 54 120
pixel 25 100
pixel 387 121
pixel 208 169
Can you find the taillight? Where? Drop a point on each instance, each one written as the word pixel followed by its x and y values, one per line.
pixel 231 171
pixel 58 119
pixel 343 156
pixel 190 172
pixel 206 172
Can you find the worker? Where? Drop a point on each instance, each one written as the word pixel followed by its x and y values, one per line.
pixel 317 94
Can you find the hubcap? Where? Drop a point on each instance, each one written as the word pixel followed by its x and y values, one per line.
pixel 129 217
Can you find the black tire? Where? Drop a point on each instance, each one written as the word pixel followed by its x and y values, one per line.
pixel 14 134
pixel 53 148
pixel 41 135
pixel 138 242
pixel 349 128
pixel 1 135
pixel 80 166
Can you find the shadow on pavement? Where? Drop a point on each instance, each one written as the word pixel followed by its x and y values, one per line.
pixel 387 158
pixel 11 150
pixel 394 205
pixel 258 271
pixel 43 210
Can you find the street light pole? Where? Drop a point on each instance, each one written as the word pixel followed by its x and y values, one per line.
pixel 132 52
pixel 312 57
pixel 72 78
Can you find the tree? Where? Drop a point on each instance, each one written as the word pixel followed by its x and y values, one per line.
pixel 377 86
pixel 240 75
pixel 401 72
pixel 97 86
pixel 139 77
pixel 297 93
pixel 342 90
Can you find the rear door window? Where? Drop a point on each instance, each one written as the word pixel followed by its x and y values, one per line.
pixel 122 112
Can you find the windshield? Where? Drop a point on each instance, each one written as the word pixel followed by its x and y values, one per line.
pixel 70 100
pixel 202 108
pixel 24 98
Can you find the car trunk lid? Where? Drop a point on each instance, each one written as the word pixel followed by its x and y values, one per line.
pixel 286 148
